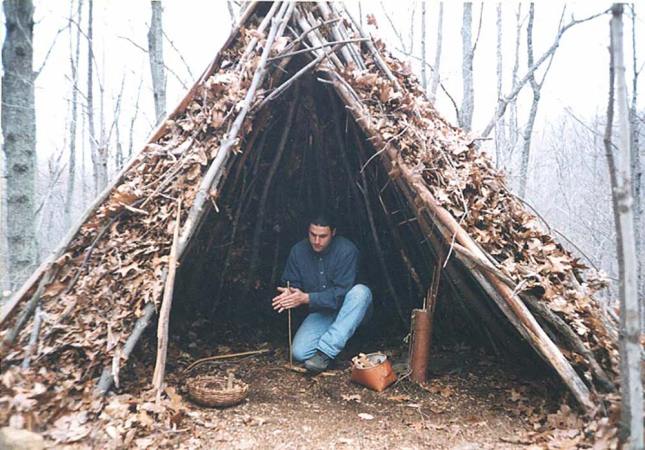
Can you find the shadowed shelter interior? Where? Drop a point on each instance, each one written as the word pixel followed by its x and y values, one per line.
pixel 303 153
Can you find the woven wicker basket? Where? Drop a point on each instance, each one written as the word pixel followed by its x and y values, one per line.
pixel 213 391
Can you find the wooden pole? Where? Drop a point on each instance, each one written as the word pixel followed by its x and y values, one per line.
pixel 164 312
pixel 289 323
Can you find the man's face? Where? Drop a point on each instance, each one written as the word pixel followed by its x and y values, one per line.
pixel 320 237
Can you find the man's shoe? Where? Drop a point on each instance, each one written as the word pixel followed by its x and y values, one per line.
pixel 318 363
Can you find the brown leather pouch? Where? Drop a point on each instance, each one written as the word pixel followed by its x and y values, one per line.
pixel 378 377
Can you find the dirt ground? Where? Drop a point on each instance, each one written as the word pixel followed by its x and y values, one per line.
pixel 461 407
pixel 470 401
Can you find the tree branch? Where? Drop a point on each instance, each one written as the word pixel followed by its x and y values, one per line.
pixel 503 103
pixel 145 50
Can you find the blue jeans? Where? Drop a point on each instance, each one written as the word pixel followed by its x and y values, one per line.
pixel 329 331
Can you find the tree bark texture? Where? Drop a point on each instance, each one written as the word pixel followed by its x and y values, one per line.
pixel 535 89
pixel 4 264
pixel 513 125
pixel 468 96
pixel 629 338
pixel 98 155
pixel 500 137
pixel 71 167
pixel 637 172
pixel 424 76
pixel 19 134
pixel 155 53
pixel 437 56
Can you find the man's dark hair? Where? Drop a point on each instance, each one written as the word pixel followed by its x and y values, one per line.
pixel 323 219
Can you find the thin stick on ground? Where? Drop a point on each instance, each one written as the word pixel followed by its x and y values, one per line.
pixel 220 357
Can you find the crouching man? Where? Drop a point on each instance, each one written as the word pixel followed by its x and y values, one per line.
pixel 321 272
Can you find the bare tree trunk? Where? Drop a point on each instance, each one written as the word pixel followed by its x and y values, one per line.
pixel 468 97
pixel 514 127
pixel 132 122
pixel 535 89
pixel 71 167
pixel 155 52
pixel 19 134
pixel 94 140
pixel 119 146
pixel 636 168
pixel 4 264
pixel 631 431
pixel 436 77
pixel 85 186
pixel 102 144
pixel 424 77
pixel 412 17
pixel 500 137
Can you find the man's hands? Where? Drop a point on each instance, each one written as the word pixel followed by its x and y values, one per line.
pixel 289 298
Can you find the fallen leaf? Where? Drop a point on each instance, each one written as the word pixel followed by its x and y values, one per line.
pixel 349 398
pixel 399 398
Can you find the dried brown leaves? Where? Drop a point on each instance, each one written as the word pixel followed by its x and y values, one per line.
pixel 115 266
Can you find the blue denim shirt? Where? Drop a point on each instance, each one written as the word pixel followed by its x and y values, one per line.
pixel 325 276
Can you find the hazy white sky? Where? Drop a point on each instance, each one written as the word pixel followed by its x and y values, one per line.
pixel 198 28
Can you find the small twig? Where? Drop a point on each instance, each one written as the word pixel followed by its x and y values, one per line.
pixel 183 60
pixel 168 68
pixel 383 149
pixel 132 209
pixel 228 356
